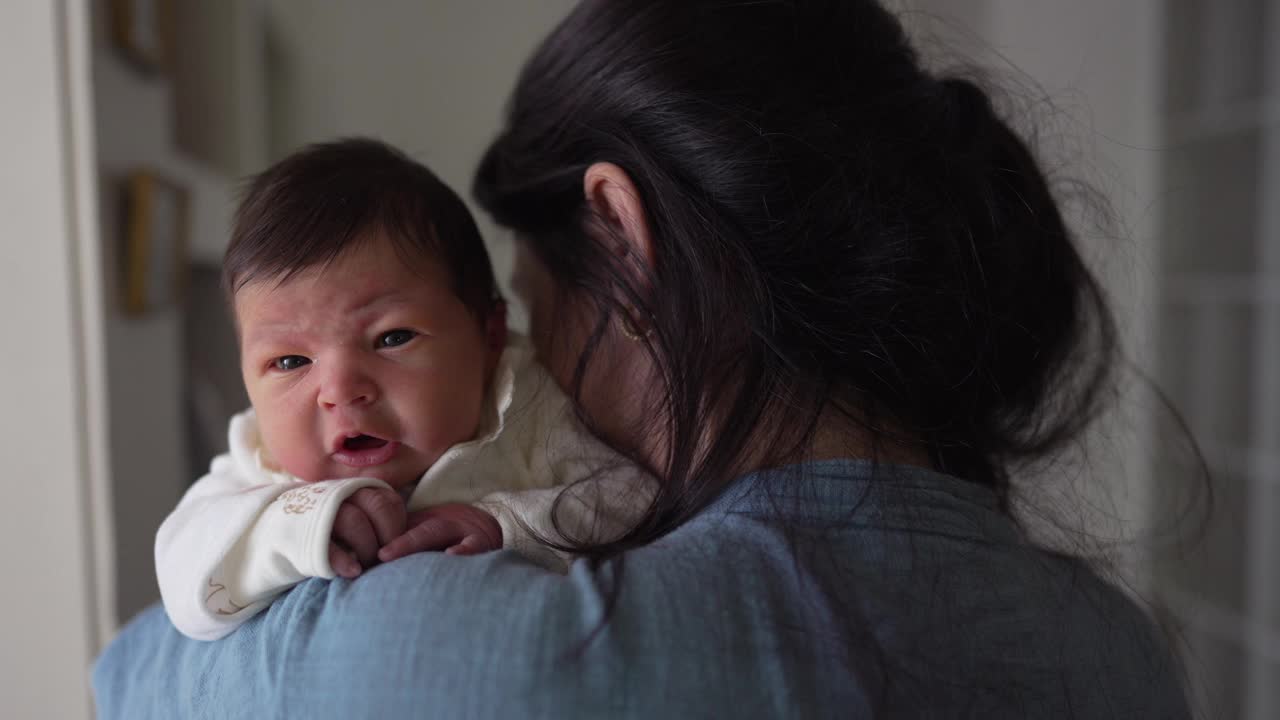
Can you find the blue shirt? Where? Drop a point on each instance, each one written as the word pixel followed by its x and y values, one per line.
pixel 833 589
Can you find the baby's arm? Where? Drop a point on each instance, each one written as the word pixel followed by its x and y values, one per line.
pixel 366 521
pixel 238 539
pixel 455 528
pixel 598 508
pixel 541 453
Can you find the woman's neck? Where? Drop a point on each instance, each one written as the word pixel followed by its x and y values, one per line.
pixel 835 436
pixel 838 437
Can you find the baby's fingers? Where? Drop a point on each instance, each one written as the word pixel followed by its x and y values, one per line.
pixel 470 545
pixel 343 562
pixel 426 536
pixel 384 510
pixel 352 528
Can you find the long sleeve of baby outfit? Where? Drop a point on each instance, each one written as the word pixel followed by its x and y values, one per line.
pixel 241 536
pixel 536 451
pixel 596 507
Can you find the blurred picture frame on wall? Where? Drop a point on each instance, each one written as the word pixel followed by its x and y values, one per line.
pixel 143 31
pixel 155 242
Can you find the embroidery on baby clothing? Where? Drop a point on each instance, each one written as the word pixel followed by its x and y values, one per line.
pixel 300 500
pixel 228 608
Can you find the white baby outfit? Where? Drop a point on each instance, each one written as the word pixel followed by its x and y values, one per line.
pixel 243 534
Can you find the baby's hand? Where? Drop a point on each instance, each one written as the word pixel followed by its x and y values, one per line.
pixel 366 521
pixel 456 528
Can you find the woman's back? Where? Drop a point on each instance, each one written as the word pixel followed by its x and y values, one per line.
pixel 833 595
pixel 909 595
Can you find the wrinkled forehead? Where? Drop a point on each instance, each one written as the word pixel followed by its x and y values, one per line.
pixel 369 275
pixel 375 247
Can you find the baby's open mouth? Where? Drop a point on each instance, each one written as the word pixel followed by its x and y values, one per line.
pixel 362 451
pixel 362 442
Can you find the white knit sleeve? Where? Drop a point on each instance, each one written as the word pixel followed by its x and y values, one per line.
pixel 241 536
pixel 597 504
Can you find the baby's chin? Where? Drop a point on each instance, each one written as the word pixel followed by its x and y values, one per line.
pixel 399 482
pixel 399 479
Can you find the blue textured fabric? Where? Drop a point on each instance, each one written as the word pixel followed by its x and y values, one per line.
pixel 812 592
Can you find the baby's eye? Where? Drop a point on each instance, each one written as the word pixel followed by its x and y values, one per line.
pixel 290 362
pixel 396 338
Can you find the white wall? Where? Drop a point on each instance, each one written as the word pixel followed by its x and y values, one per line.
pixel 1092 71
pixel 51 621
pixel 147 423
pixel 220 108
pixel 428 77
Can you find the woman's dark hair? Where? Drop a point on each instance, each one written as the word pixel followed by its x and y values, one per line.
pixel 837 230
pixel 319 202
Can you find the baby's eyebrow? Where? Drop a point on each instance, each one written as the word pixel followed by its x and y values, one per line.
pixel 271 332
pixel 380 301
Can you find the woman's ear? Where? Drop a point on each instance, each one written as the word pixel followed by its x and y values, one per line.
pixel 614 200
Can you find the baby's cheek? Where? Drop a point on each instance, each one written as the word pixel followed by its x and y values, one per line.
pixel 304 468
pixel 284 451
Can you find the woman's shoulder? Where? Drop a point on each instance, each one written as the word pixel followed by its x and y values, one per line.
pixel 918 580
pixel 486 636
pixel 784 598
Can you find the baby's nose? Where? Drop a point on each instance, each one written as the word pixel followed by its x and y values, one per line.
pixel 346 385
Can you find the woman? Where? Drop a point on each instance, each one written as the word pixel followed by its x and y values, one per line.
pixel 830 301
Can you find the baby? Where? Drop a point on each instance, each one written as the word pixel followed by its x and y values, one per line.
pixel 390 413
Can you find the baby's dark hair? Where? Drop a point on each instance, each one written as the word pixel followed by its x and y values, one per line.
pixel 320 202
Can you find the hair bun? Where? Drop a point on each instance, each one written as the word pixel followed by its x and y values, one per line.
pixel 966 106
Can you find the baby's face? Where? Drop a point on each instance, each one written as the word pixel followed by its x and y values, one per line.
pixel 367 368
